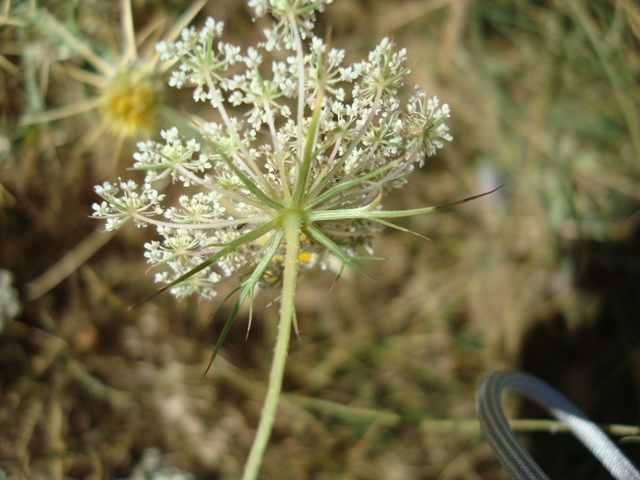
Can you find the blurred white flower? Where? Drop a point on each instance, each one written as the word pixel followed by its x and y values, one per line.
pixel 150 468
pixel 10 306
pixel 127 82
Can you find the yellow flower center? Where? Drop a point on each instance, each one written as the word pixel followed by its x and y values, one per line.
pixel 129 103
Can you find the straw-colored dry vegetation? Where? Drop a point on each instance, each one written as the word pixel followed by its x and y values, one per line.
pixel 542 275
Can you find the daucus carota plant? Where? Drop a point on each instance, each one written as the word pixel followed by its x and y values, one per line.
pixel 289 172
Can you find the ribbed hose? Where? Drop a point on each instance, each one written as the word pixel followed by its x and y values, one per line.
pixel 512 455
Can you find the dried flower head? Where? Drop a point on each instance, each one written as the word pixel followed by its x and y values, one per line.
pixel 316 139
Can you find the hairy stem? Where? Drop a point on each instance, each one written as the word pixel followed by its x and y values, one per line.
pixel 291 222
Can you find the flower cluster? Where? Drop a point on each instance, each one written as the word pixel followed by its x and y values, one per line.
pixel 126 81
pixel 305 135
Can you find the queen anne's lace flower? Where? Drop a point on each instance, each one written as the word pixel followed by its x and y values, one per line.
pixel 315 137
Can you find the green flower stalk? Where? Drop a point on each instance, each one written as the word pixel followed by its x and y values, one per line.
pixel 289 172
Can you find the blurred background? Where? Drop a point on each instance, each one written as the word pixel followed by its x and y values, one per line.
pixel 543 275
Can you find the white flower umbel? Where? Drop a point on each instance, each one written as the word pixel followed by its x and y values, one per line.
pixel 296 177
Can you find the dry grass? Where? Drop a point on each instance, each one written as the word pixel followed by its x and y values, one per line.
pixel 542 275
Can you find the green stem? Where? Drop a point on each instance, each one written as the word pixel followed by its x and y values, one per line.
pixel 291 222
